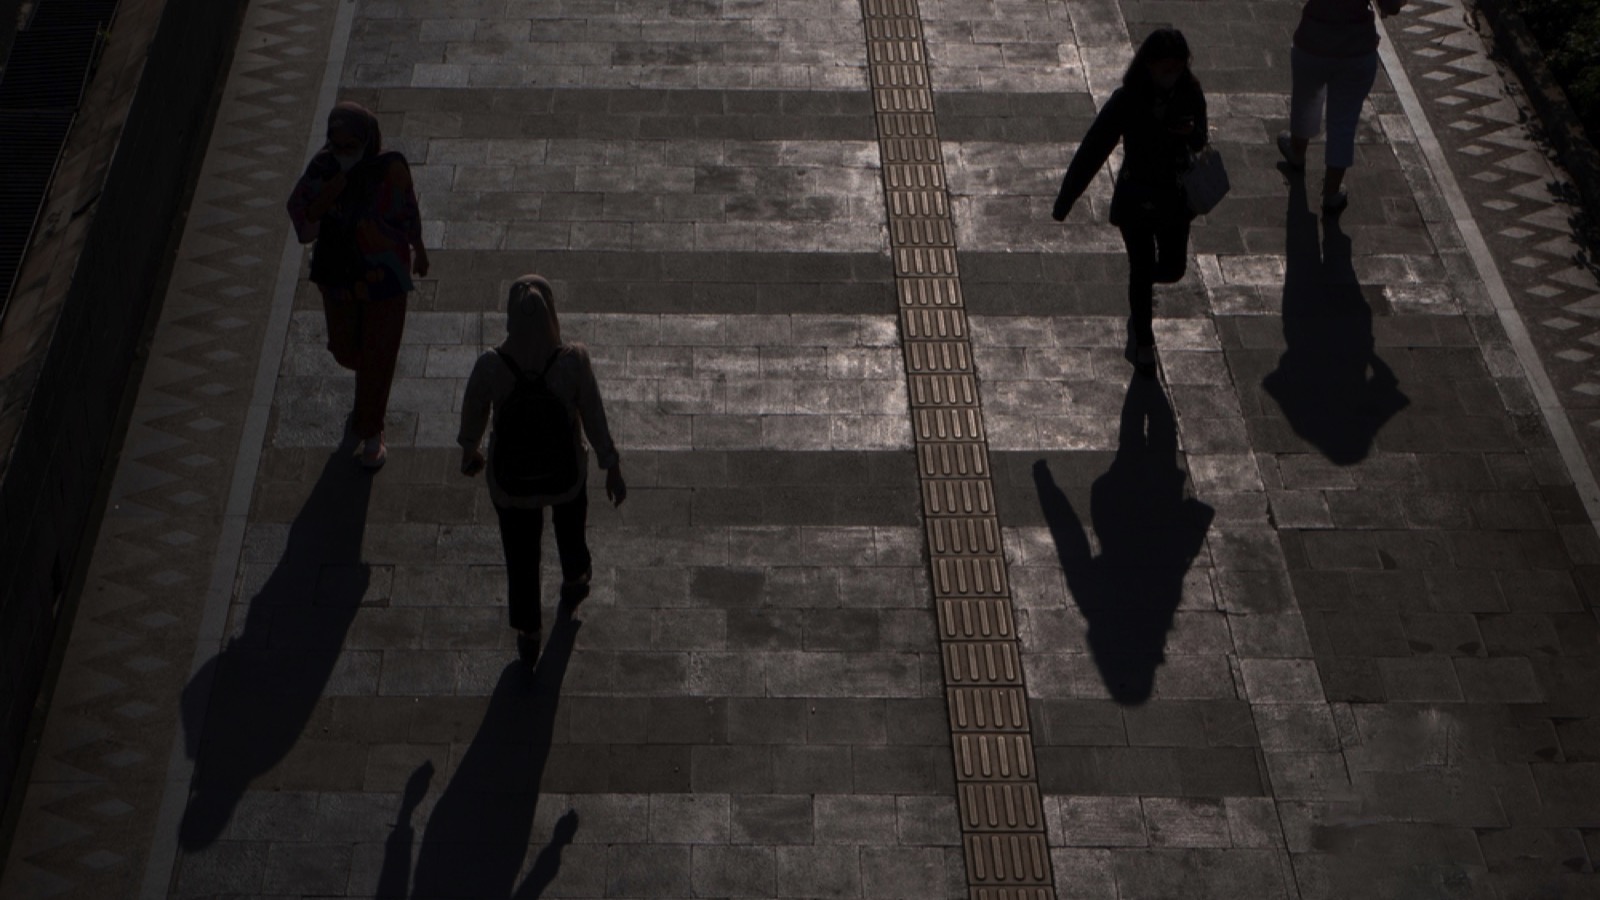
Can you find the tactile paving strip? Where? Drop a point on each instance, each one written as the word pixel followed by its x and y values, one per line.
pixel 1002 822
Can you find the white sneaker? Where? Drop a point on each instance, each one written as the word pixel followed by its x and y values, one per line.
pixel 374 452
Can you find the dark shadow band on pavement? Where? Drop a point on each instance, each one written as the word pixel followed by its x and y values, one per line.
pixel 1330 383
pixel 248 706
pixel 1149 533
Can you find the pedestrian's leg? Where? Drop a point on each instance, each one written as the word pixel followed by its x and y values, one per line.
pixel 343 316
pixel 1350 82
pixel 572 545
pixel 383 325
pixel 1141 243
pixel 1172 251
pixel 1308 93
pixel 521 532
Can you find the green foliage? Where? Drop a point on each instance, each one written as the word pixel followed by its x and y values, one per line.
pixel 1569 33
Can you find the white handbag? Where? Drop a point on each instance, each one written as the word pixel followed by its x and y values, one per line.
pixel 1205 182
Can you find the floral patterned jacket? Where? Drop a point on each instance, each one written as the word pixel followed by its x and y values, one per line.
pixel 369 233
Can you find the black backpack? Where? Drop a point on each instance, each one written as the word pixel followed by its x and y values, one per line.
pixel 533 438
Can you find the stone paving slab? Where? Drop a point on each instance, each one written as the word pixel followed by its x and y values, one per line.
pixel 1313 616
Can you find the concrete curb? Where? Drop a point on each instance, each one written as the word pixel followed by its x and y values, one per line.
pixel 1512 40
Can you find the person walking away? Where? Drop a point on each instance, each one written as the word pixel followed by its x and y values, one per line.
pixel 540 391
pixel 1159 115
pixel 1333 63
pixel 357 203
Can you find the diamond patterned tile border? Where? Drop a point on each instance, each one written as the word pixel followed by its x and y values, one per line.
pixel 1477 115
pixel 134 634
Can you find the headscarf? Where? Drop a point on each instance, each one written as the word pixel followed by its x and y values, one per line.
pixel 360 122
pixel 533 331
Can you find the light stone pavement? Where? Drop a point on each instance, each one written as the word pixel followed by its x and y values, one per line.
pixel 1291 627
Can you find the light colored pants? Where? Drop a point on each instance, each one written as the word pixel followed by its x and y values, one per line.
pixel 1340 84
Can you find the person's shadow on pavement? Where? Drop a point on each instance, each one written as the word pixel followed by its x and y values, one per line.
pixel 252 701
pixel 1149 534
pixel 478 832
pixel 1330 383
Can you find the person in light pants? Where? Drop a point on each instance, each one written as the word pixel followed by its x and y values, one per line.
pixel 1334 62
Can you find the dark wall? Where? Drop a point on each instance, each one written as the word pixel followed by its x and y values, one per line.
pixel 52 493
pixel 10 13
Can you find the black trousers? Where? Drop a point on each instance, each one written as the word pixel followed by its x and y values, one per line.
pixel 1158 253
pixel 522 533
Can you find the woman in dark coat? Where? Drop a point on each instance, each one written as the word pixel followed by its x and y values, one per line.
pixel 356 201
pixel 1159 114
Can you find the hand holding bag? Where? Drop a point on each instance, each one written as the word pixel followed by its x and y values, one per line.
pixel 1205 182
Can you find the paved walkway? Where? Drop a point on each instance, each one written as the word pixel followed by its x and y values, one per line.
pixel 917 589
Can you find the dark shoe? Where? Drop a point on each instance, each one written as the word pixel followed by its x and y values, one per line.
pixel 573 592
pixel 1286 147
pixel 1144 361
pixel 1334 204
pixel 528 646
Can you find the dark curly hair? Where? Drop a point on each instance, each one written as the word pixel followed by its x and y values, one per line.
pixel 1163 43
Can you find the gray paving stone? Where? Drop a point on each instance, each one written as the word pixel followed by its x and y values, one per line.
pixel 776 819
pixel 734 871
pixel 307 868
pixel 1099 821
pixel 230 866
pixel 690 818
pixel 811 769
pixel 732 770
pixel 846 721
pixel 821 871
pixel 903 873
pixel 649 870
pixel 854 819
pixel 1186 823
pixel 1204 873
pixel 1083 874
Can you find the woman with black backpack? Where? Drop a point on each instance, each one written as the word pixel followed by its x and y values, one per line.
pixel 1159 115
pixel 357 202
pixel 540 392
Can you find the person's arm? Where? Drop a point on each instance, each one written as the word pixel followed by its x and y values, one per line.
pixel 1092 154
pixel 1201 133
pixel 406 213
pixel 307 203
pixel 592 410
pixel 475 408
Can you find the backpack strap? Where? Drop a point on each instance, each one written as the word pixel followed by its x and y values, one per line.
pixel 511 364
pixel 551 361
pixel 517 370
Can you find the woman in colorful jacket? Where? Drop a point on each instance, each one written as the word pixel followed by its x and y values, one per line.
pixel 357 203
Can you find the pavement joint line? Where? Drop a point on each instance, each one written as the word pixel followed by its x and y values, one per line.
pixel 163 857
pixel 1004 841
pixel 1550 406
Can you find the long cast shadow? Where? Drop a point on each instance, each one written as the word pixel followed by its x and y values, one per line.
pixel 256 696
pixel 478 833
pixel 1330 382
pixel 1149 534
